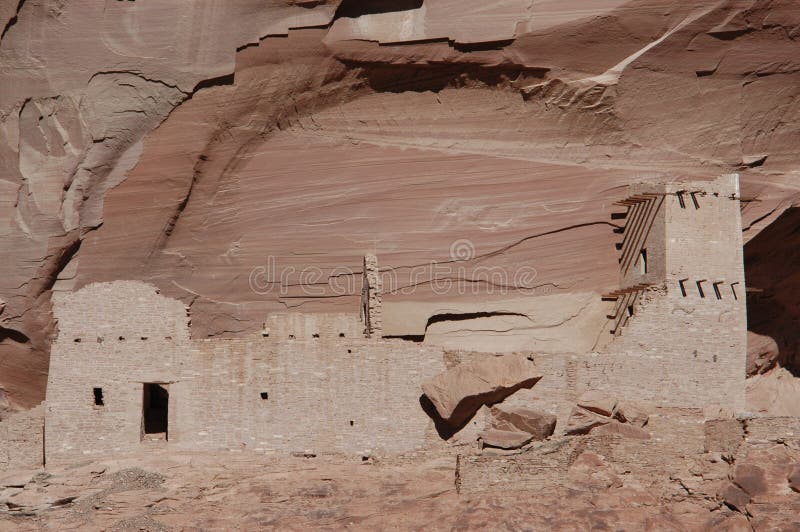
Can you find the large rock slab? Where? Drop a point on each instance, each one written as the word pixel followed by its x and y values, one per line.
pixel 458 393
pixel 633 413
pixel 598 402
pixel 538 424
pixel 582 421
pixel 762 353
pixel 505 439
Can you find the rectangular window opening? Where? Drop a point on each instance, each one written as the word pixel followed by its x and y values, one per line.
pixel 682 284
pixel 155 411
pixel 694 200
pixel 680 200
pixel 630 310
pixel 733 289
pixel 98 397
pixel 643 262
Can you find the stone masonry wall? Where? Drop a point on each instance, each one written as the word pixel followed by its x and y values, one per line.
pixel 21 439
pixel 695 334
pixel 322 395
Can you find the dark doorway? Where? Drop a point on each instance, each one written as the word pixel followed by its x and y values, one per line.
pixel 155 411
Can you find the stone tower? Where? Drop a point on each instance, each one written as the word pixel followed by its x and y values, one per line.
pixel 682 292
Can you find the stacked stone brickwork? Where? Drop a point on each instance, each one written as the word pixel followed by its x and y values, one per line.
pixel 21 439
pixel 299 326
pixel 262 394
pixel 371 297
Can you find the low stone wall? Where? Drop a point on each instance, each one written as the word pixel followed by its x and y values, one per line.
pixel 349 396
pixel 652 379
pixel 22 439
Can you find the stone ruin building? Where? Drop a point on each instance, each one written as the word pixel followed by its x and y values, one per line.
pixel 125 374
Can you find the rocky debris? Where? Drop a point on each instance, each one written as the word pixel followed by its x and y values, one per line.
pixel 735 497
pixel 588 484
pixel 622 429
pixel 458 393
pixel 762 353
pixel 592 472
pixel 596 409
pixel 470 432
pixel 505 439
pixel 539 425
pixel 16 479
pixel 598 402
pixel 774 393
pixel 582 421
pixel 134 478
pixel 632 413
pixel 751 478
pixel 753 161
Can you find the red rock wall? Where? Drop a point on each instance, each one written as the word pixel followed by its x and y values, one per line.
pixel 148 141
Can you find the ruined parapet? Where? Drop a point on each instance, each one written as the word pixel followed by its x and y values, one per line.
pixel 323 325
pixel 119 310
pixel 371 296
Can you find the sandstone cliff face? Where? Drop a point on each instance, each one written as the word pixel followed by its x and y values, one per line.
pixel 193 145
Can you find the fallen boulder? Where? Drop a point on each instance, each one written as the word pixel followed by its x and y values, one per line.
pixel 458 393
pixel 598 402
pixel 628 412
pixel 762 353
pixel 582 421
pixel 540 425
pixel 504 439
pixel 734 496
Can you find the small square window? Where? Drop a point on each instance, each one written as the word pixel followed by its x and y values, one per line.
pixel 264 395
